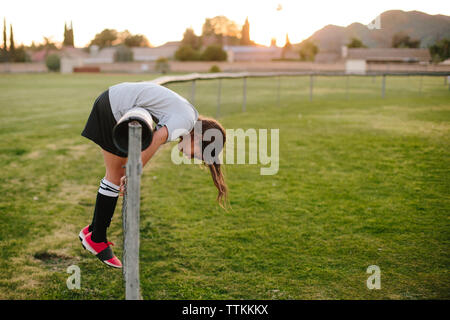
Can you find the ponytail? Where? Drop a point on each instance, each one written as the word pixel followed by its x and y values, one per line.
pixel 214 164
pixel 219 182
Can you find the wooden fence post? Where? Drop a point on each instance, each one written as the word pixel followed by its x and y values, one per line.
pixel 130 213
pixel 244 100
pixel 219 92
pixel 193 92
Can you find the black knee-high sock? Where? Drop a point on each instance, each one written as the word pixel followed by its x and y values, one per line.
pixel 104 209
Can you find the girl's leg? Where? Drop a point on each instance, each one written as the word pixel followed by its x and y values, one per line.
pixel 107 195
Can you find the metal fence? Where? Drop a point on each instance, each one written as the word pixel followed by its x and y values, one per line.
pixel 375 81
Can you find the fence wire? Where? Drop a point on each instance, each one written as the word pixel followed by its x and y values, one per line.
pixel 220 96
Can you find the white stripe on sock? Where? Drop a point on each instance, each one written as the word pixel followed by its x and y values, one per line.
pixel 110 184
pixel 108 193
pixel 108 188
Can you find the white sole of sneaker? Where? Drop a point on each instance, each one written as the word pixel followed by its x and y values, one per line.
pixel 88 247
pixel 81 235
pixel 111 265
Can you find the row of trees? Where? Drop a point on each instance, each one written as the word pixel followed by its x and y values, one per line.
pixel 111 37
pixel 11 53
pixel 216 32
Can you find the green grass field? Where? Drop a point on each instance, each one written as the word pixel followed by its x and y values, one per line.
pixel 362 181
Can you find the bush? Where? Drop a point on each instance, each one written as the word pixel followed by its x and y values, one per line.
pixel 214 53
pixel 162 65
pixel 53 62
pixel 187 53
pixel 215 68
pixel 4 55
pixel 308 51
pixel 123 54
pixel 20 55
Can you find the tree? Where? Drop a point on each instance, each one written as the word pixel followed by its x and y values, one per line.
pixel 136 40
pixel 5 46
pixel 356 43
pixel 402 40
pixel 162 65
pixel 440 51
pixel 4 56
pixel 245 34
pixel 20 55
pixel 191 39
pixel 214 53
pixel 132 40
pixel 68 35
pixel 106 38
pixel 273 42
pixel 12 47
pixel 53 62
pixel 220 25
pixel 123 54
pixel 48 44
pixel 308 50
pixel 288 44
pixel 187 53
pixel 287 47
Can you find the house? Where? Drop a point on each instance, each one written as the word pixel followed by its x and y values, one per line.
pixel 387 55
pixel 140 54
pixel 97 55
pixel 358 59
pixel 252 53
pixel 167 50
pixel 327 57
pixel 71 58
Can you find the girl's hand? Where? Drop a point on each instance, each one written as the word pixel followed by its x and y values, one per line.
pixel 123 185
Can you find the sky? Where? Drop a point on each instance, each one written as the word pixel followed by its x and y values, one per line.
pixel 166 20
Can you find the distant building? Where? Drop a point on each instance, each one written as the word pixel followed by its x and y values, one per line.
pixel 387 55
pixel 327 57
pixel 252 53
pixel 167 50
pixel 97 55
pixel 71 58
pixel 358 59
pixel 140 54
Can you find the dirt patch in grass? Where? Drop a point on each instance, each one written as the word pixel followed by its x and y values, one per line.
pixel 55 261
pixel 41 258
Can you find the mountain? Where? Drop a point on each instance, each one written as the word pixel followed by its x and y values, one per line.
pixel 418 25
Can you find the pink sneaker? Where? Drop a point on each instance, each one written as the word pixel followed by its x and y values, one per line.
pixel 83 233
pixel 101 250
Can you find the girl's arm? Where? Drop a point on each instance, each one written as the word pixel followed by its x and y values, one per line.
pixel 159 137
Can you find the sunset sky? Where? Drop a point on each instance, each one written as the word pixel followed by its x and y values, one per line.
pixel 162 21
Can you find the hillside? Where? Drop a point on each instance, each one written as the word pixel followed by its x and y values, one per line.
pixel 418 25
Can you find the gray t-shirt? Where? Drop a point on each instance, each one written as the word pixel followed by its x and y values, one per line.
pixel 166 107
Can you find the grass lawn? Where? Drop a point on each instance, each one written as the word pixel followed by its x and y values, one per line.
pixel 362 181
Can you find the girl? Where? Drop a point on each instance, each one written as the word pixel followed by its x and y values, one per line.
pixel 175 118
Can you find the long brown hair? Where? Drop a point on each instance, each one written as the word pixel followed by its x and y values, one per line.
pixel 213 162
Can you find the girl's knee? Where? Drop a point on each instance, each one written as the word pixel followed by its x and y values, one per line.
pixel 115 175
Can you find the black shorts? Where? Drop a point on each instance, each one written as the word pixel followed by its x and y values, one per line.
pixel 100 124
